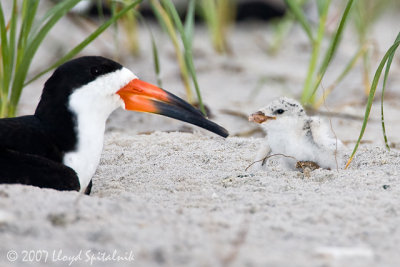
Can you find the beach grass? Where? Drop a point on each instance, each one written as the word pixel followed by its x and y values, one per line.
pixel 364 16
pixel 219 16
pixel 386 61
pixel 170 21
pixel 316 36
pixel 20 44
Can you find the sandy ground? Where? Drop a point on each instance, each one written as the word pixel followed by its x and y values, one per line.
pixel 164 198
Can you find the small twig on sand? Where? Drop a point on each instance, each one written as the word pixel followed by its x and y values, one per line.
pixel 267 157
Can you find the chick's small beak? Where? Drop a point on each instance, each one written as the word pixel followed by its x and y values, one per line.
pixel 260 117
pixel 145 97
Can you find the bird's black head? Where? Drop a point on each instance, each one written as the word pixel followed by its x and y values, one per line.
pixel 72 75
pixel 53 109
pixel 80 95
pixel 90 88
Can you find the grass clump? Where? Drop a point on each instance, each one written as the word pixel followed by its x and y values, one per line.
pixel 219 16
pixel 170 21
pixel 20 44
pixel 386 60
pixel 364 15
pixel 282 27
pixel 315 73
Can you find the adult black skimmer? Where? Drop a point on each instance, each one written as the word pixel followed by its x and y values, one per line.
pixel 60 145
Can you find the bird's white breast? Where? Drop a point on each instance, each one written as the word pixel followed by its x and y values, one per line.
pixel 290 138
pixel 86 157
pixel 92 104
pixel 287 137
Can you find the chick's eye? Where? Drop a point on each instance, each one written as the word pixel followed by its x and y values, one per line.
pixel 95 71
pixel 279 111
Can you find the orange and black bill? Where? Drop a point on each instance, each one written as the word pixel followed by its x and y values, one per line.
pixel 145 97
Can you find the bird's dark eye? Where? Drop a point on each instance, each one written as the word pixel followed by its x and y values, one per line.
pixel 95 71
pixel 279 111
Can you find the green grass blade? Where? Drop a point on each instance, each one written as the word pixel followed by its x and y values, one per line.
pixel 29 9
pixel 164 16
pixel 88 40
pixel 13 34
pixel 189 22
pixel 130 27
pixel 5 58
pixel 99 6
pixel 218 15
pixel 155 7
pixel 192 70
pixel 330 53
pixel 187 44
pixel 307 96
pixel 301 17
pixel 61 7
pixel 208 10
pixel 371 96
pixel 189 30
pixel 350 65
pixel 32 46
pixel 281 29
pixel 322 5
pixel 171 10
pixel 156 59
pixel 388 64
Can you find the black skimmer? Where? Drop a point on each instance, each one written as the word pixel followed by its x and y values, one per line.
pixel 60 145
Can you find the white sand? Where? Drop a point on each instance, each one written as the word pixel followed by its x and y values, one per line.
pixel 183 199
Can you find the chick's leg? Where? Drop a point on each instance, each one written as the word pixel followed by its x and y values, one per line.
pixel 261 157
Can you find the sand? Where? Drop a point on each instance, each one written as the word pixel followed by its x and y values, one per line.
pixel 179 199
pixel 163 198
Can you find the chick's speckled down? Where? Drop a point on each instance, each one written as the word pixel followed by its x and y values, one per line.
pixel 298 137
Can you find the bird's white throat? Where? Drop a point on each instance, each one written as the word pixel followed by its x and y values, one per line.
pixel 92 104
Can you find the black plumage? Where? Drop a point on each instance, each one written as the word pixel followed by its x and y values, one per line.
pixel 67 126
pixel 32 147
